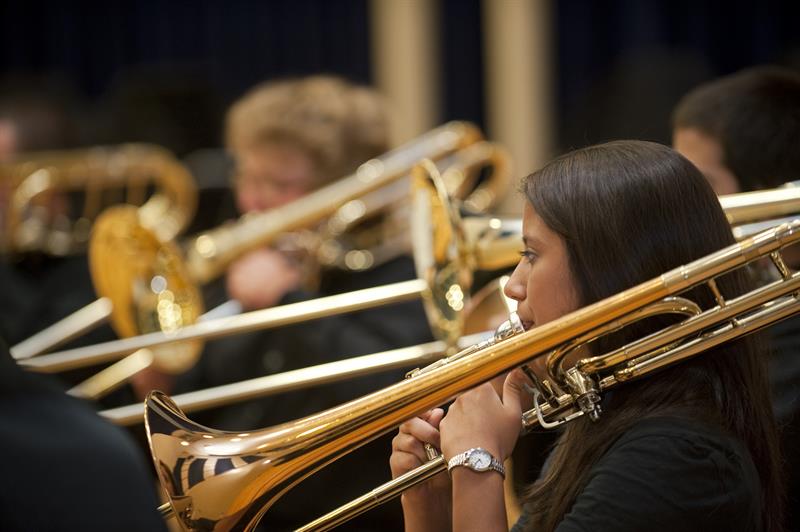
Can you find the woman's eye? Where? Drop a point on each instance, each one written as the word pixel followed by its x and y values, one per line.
pixel 528 256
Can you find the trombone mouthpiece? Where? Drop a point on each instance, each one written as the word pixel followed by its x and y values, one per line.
pixel 512 326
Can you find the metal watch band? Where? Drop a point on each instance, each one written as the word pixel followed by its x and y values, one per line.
pixel 462 459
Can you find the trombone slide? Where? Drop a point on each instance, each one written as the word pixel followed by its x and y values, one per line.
pixel 87 318
pixel 249 321
pixel 298 379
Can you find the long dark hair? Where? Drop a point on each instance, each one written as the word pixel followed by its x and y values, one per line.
pixel 629 211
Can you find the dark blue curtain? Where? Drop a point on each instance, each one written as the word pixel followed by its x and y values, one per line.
pixel 165 71
pixel 623 64
pixel 182 61
pixel 462 73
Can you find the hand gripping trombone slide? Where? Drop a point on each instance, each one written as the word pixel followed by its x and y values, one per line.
pixel 237 477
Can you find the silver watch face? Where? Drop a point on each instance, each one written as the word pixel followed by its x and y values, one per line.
pixel 479 460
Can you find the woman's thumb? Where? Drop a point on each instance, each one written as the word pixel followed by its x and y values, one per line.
pixel 513 389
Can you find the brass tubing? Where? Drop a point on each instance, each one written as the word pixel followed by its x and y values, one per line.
pixel 99 168
pixel 765 317
pixel 749 229
pixel 298 379
pixel 747 207
pixel 211 252
pixel 670 305
pixel 691 326
pixel 249 321
pixel 383 493
pixel 87 318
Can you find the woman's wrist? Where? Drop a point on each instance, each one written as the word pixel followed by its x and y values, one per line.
pixel 486 478
pixel 478 500
pixel 424 511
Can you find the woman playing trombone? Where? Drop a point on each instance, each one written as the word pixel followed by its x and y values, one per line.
pixel 692 447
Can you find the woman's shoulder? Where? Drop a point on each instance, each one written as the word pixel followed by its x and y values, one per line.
pixel 670 473
pixel 663 434
pixel 684 449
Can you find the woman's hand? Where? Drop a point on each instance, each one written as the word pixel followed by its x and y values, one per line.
pixel 261 278
pixel 426 506
pixel 482 418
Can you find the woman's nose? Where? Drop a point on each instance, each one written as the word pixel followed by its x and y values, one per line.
pixel 515 287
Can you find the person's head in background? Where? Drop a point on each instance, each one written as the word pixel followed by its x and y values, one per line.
pixel 742 131
pixel 291 137
pixel 33 120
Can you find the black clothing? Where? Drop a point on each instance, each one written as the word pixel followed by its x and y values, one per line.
pixel 784 380
pixel 255 354
pixel 316 342
pixel 39 291
pixel 65 468
pixel 669 474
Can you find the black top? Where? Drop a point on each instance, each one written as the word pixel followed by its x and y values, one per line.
pixel 306 344
pixel 65 468
pixel 246 356
pixel 668 474
pixel 784 379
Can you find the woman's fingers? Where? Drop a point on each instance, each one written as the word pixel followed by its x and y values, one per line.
pixel 408 446
pixel 433 417
pixel 424 431
pixel 401 462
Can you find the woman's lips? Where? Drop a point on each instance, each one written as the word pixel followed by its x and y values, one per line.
pixel 527 324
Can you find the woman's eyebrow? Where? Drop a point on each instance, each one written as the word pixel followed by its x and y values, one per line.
pixel 530 241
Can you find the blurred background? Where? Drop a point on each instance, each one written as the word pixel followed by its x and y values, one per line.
pixel 540 76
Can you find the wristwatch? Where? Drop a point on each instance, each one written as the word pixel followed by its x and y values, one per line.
pixel 477 459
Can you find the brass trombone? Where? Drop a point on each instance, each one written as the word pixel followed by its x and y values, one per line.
pixel 37 215
pixel 238 476
pixel 484 306
pixel 741 209
pixel 126 258
pixel 444 262
pixel 490 244
pixel 352 240
pixel 125 252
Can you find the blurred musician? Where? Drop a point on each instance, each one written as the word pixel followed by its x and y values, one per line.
pixel 289 138
pixel 743 132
